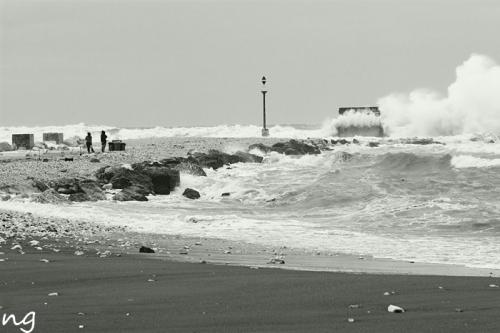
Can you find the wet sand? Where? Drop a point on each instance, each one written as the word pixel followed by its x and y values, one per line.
pixel 131 293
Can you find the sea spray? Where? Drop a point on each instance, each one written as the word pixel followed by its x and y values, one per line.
pixel 471 105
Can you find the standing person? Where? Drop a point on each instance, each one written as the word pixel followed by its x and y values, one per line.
pixel 88 142
pixel 103 140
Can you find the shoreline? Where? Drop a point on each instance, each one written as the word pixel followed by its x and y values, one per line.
pixel 219 251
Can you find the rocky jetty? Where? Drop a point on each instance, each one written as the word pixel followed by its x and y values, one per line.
pixel 291 147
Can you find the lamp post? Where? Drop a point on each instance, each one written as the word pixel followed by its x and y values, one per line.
pixel 265 130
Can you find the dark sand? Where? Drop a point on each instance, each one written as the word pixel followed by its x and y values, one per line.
pixel 191 297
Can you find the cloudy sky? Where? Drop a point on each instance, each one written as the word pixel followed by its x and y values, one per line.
pixel 187 63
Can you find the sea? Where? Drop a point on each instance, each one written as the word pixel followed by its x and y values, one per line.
pixel 431 200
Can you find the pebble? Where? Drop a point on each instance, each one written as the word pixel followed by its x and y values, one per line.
pixel 54 294
pixel 45 260
pixel 395 309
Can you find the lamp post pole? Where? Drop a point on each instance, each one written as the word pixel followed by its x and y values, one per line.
pixel 265 130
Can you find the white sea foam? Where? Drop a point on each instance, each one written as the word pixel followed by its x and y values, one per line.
pixel 471 105
pixel 467 161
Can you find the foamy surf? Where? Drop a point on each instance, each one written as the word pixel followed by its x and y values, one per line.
pixel 399 201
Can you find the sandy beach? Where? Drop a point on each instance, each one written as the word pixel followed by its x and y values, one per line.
pixel 132 293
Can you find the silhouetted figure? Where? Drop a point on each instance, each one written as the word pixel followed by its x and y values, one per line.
pixel 88 142
pixel 103 140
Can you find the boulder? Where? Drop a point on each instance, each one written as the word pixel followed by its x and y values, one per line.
pixel 123 177
pixel 216 159
pixel 163 179
pixel 5 146
pixel 145 249
pixel 190 168
pixel 248 158
pixel 29 187
pixel 294 147
pixel 191 194
pixel 91 190
pixel 131 193
pixel 65 185
pixel 184 165
pixel 50 196
pixel 260 146
pixel 79 197
pixel 74 141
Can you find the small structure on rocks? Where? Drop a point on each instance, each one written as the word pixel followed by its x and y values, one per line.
pixel 26 141
pixel 58 138
pixel 116 145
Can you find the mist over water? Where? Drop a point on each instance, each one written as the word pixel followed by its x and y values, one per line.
pixel 470 105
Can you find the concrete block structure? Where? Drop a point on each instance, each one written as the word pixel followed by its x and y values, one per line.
pixel 360 130
pixel 58 138
pixel 26 141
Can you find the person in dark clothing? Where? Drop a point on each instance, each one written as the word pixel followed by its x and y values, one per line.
pixel 88 142
pixel 103 140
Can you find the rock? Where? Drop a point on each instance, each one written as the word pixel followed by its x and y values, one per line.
pixel 131 193
pixel 74 141
pixel 215 159
pixel 373 144
pixel 190 168
pixel 355 141
pixel 79 197
pixel 107 187
pixel 94 160
pixel 40 145
pixel 122 177
pixel 341 141
pixel 395 309
pixel 421 141
pixel 191 194
pixel 294 147
pixel 50 196
pixel 277 260
pixel 248 158
pixel 6 197
pixel 65 185
pixel 225 194
pixel 29 187
pixel 260 146
pixel 163 179
pixel 92 190
pixel 145 249
pixel 5 146
pixel 68 159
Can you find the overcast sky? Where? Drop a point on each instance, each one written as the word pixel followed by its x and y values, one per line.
pixel 186 63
